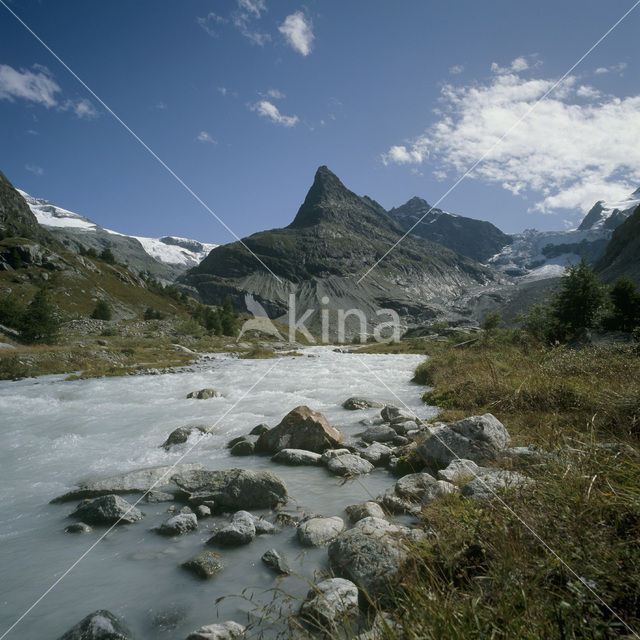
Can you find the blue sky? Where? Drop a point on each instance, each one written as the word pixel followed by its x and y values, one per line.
pixel 244 99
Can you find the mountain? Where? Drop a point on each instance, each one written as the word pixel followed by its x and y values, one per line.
pixel 609 215
pixel 164 258
pixel 333 240
pixel 622 256
pixel 475 239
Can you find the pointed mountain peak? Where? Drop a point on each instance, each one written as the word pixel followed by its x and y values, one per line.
pixel 326 187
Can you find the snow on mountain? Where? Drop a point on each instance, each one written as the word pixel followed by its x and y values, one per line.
pixel 170 250
pixel 609 215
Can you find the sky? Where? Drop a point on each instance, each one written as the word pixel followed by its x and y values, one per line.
pixel 244 99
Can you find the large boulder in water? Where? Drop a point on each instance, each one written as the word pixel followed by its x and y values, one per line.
pixel 316 532
pixel 229 630
pixel 233 489
pixel 110 509
pixel 301 428
pixel 99 625
pixel 330 602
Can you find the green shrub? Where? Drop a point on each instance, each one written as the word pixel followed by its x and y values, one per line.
pixel 40 322
pixel 102 311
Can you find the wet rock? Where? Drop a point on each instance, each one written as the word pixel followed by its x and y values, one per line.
pixel 277 561
pixel 159 496
pixel 330 602
pixel 317 532
pixel 263 527
pixel 226 631
pixel 182 434
pixel 487 485
pixel 357 512
pixel 259 429
pixel 288 519
pixel 380 433
pixel 99 625
pixel 329 454
pixel 301 428
pixel 460 471
pixel 78 527
pixel 349 465
pixel 203 394
pixel 169 617
pixel 202 511
pixel 233 488
pixel 205 564
pixel 241 530
pixel 110 509
pixel 243 448
pixel 297 457
pixel 394 415
pixel 395 504
pixel 355 403
pixel 178 525
pixel 400 441
pixel 413 486
pixel 377 454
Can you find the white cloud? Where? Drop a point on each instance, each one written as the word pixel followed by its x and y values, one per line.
pixel 252 7
pixel 566 154
pixel 275 94
pixel 210 23
pixel 160 106
pixel 298 31
pixel 456 69
pixel 248 11
pixel 516 66
pixel 269 110
pixel 82 108
pixel 616 68
pixel 34 168
pixel 205 136
pixel 38 87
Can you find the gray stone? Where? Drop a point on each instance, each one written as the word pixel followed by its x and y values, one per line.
pixel 203 394
pixel 377 454
pixel 178 525
pixel 394 415
pixel 243 448
pixel 99 625
pixel 357 512
pixel 159 496
pixel 202 511
pixel 488 485
pixel 317 532
pixel 110 509
pixel 413 486
pixel 297 457
pixel 226 631
pixel 182 434
pixel 78 527
pixel 233 488
pixel 205 564
pixel 437 490
pixel 380 433
pixel 263 527
pixel 330 602
pixel 234 441
pixel 241 530
pixel 485 428
pixel 354 403
pixel 259 429
pixel 349 465
pixel 395 504
pixel 277 561
pixel 332 453
pixel 301 428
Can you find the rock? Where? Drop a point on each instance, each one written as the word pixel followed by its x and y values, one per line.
pixel 241 530
pixel 110 509
pixel 402 428
pixel 288 519
pixel 243 448
pixel 440 489
pixel 159 496
pixel 380 433
pixel 226 631
pixel 178 525
pixel 203 394
pixel 329 454
pixel 138 481
pixel 394 415
pixel 277 561
pixel 349 465
pixel 400 441
pixel 354 403
pixel 371 555
pixel 99 625
pixel 202 511
pixel 205 564
pixel 233 488
pixel 377 454
pixel 357 512
pixel 186 510
pixel 413 486
pixel 487 485
pixel 259 429
pixel 264 527
pixel 393 503
pixel 169 617
pixel 301 428
pixel 234 441
pixel 479 439
pixel 316 532
pixel 78 527
pixel 330 601
pixel 460 471
pixel 181 435
pixel 297 457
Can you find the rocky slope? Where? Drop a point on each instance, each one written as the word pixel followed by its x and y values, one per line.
pixel 622 256
pixel 334 239
pixel 475 239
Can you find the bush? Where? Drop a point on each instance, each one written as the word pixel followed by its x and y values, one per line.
pixel 106 255
pixel 624 314
pixel 492 321
pixel 11 312
pixel 152 314
pixel 40 323
pixel 102 311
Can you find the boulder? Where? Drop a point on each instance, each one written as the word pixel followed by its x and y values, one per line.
pixel 259 429
pixel 78 527
pixel 355 403
pixel 301 428
pixel 243 448
pixel 99 625
pixel 330 602
pixel 460 471
pixel 233 488
pixel 203 511
pixel 393 503
pixel 488 485
pixel 205 564
pixel 349 465
pixel 181 435
pixel 357 512
pixel 110 509
pixel 379 433
pixel 178 525
pixel 203 394
pixel 264 527
pixel 377 454
pixel 241 530
pixel 371 554
pixel 479 438
pixel 277 561
pixel 332 453
pixel 297 457
pixel 138 481
pixel 394 415
pixel 317 532
pixel 413 486
pixel 229 630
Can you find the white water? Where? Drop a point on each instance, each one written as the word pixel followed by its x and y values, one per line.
pixel 57 433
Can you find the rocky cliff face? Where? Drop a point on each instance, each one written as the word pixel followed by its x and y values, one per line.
pixel 622 256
